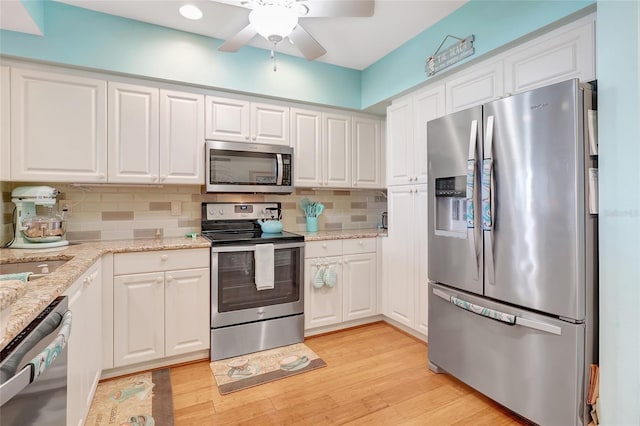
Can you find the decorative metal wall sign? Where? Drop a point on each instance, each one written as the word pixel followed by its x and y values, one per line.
pixel 454 53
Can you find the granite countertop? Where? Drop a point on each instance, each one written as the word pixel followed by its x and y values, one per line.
pixel 39 293
pixel 343 234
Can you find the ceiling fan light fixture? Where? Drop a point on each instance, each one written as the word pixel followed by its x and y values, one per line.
pixel 273 22
pixel 190 11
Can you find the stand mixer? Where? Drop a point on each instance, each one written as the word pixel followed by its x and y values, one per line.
pixel 33 231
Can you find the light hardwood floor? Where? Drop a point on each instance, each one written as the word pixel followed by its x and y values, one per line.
pixel 375 375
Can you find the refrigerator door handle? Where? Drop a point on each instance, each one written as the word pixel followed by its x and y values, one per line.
pixel 508 319
pixel 537 325
pixel 471 182
pixel 488 189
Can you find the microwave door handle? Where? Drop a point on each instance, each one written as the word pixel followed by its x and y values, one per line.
pixel 280 169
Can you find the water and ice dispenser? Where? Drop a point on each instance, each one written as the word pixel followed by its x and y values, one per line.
pixel 451 205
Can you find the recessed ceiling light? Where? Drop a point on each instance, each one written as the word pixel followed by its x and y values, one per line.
pixel 190 11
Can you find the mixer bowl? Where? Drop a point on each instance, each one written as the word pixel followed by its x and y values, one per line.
pixel 44 229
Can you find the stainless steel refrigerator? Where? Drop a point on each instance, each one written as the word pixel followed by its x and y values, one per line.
pixel 513 251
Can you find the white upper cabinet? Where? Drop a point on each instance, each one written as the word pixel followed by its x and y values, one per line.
pixel 336 159
pixel 400 153
pixel 155 136
pixel 306 139
pixel 244 121
pixel 134 145
pixel 367 153
pixel 407 135
pixel 228 119
pixel 336 150
pixel 5 125
pixel 269 124
pixel 58 127
pixel 479 85
pixel 181 137
pixel 427 105
pixel 568 52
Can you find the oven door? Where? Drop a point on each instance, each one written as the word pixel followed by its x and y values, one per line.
pixel 234 296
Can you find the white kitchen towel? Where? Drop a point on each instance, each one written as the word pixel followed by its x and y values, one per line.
pixel 264 275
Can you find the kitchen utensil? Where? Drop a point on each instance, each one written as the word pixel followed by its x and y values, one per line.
pixel 319 208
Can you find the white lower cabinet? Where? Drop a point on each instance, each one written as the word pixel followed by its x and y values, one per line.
pixel 354 294
pixel 160 313
pixel 85 344
pixel 405 257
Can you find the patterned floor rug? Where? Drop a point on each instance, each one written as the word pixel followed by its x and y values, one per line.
pixel 234 374
pixel 139 400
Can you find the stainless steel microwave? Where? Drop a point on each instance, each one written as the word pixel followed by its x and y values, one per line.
pixel 248 167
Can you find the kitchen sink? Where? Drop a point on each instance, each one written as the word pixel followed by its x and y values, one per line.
pixel 38 269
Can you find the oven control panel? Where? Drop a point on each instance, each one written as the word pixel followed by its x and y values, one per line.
pixel 237 211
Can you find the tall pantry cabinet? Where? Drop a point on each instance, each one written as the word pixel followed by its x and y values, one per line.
pixel 405 248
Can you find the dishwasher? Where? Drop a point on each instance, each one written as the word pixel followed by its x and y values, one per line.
pixel 33 370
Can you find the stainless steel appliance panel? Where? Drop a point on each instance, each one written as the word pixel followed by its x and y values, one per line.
pixel 248 167
pixel 42 400
pixel 257 336
pixel 534 254
pixel 234 298
pixel 536 369
pixel 455 248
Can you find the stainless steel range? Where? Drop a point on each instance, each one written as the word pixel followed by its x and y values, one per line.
pixel 257 299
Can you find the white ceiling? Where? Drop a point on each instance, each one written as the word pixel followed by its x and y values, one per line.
pixel 350 42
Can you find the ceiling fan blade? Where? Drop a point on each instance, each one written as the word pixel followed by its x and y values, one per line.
pixel 336 8
pixel 240 39
pixel 308 45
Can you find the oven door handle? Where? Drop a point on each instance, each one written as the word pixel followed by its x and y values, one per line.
pixel 252 247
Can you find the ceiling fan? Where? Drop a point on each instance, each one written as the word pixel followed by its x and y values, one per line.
pixel 276 19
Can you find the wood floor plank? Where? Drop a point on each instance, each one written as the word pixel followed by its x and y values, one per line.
pixel 375 375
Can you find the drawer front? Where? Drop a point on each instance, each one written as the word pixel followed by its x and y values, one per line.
pixel 520 367
pixel 359 245
pixel 160 260
pixel 323 248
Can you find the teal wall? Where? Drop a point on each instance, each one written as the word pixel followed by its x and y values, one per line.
pixel 36 11
pixel 493 23
pixel 618 70
pixel 84 38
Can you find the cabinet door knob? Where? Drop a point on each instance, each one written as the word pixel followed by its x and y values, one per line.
pixel 346 262
pixel 159 280
pixel 361 242
pixel 246 138
pixel 169 278
pixel 164 257
pixel 163 177
pixel 324 245
pixel 101 177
